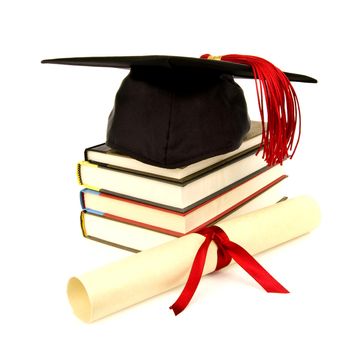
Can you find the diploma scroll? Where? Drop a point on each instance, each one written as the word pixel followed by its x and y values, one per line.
pixel 118 285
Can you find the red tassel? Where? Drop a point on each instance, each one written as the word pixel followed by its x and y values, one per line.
pixel 273 89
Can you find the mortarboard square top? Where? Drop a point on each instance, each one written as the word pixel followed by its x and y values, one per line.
pixel 172 111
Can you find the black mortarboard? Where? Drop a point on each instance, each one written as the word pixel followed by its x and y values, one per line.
pixel 173 111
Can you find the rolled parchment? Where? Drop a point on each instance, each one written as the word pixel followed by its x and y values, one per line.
pixel 118 285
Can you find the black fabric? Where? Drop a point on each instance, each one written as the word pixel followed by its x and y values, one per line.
pixel 174 117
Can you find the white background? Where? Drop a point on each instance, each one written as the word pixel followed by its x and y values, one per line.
pixel 49 114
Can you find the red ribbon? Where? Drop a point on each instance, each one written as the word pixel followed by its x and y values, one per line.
pixel 227 251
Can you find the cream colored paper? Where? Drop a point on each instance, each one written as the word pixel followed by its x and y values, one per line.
pixel 116 286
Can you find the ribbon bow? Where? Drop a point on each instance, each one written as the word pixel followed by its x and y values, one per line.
pixel 227 251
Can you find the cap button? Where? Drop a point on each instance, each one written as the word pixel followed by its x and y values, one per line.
pixel 216 58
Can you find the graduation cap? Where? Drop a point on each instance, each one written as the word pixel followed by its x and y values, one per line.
pixel 172 111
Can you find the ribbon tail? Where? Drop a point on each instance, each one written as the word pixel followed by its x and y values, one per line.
pixel 254 269
pixel 193 279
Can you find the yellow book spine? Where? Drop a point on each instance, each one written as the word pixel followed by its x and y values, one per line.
pixel 82 222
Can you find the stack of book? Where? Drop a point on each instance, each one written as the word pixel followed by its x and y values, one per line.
pixel 136 206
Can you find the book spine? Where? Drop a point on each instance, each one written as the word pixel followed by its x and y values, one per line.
pixel 85 153
pixel 78 173
pixel 82 199
pixel 82 223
